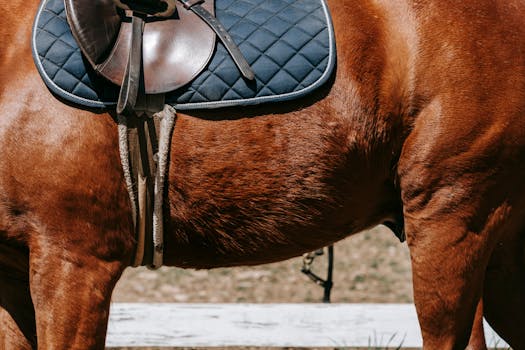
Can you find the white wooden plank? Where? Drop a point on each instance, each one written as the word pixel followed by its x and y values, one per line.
pixel 272 325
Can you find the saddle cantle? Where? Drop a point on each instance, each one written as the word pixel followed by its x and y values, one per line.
pixel 174 51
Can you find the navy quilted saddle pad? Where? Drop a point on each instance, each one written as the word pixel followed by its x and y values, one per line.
pixel 289 43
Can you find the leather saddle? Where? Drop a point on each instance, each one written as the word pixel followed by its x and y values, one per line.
pixel 174 50
pixel 148 47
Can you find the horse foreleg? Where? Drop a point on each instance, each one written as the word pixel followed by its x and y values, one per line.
pixel 71 293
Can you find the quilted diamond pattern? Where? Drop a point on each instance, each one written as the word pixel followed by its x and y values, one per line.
pixel 60 60
pixel 289 44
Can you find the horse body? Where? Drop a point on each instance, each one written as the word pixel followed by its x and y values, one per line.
pixel 422 121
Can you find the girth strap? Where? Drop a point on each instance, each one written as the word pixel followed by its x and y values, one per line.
pixel 144 143
pixel 166 119
pixel 142 139
pixel 145 129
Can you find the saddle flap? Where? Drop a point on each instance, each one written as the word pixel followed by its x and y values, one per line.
pixel 95 25
pixel 174 50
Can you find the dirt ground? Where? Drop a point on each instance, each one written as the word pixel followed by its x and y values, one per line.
pixel 369 267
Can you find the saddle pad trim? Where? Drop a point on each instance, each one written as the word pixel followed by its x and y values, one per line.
pixel 101 103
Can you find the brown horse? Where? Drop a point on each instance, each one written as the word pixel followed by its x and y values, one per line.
pixel 424 120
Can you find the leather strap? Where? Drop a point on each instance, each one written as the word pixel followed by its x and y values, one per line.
pixel 142 143
pixel 139 146
pixel 189 3
pixel 224 36
pixel 145 139
pixel 166 123
pixel 131 82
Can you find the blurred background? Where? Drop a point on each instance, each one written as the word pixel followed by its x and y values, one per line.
pixel 370 267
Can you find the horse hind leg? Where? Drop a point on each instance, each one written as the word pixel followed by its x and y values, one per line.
pixel 504 291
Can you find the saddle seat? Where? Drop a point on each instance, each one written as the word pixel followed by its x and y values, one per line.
pixel 174 50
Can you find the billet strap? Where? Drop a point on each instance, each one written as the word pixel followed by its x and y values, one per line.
pixel 222 33
pixel 142 141
pixel 137 154
pixel 145 129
